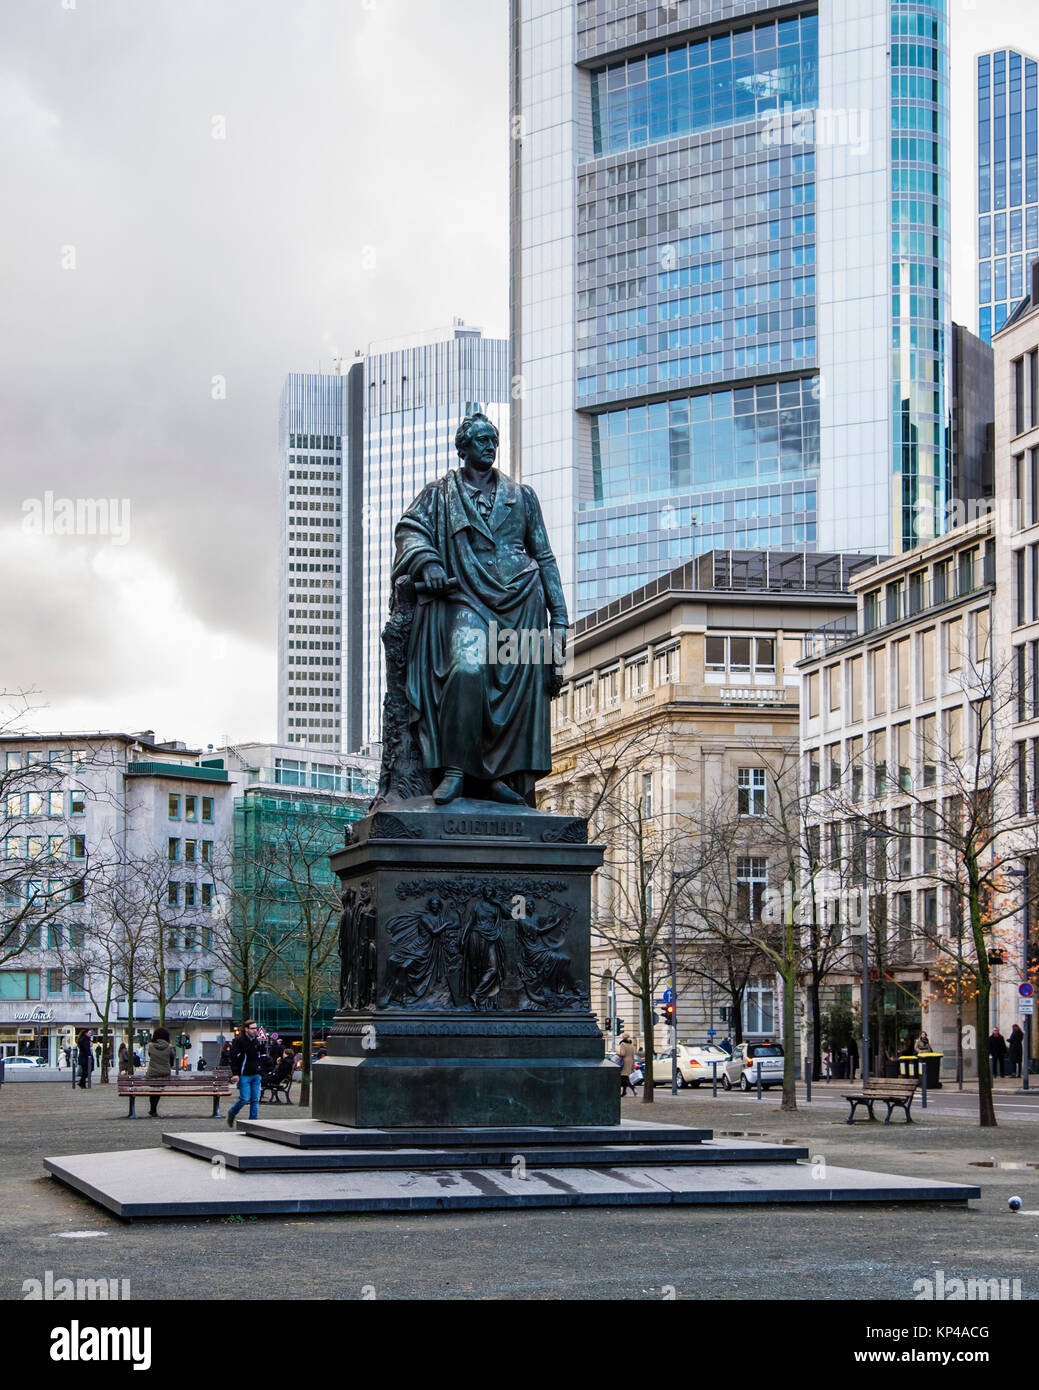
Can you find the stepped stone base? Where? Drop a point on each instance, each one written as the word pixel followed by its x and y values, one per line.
pixel 209 1174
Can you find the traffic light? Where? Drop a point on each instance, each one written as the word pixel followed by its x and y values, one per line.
pixel 656 1019
pixel 669 1014
pixel 607 1024
pixel 183 1041
pixel 618 1025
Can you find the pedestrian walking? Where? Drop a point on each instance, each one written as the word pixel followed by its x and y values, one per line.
pixel 1015 1049
pixel 275 1047
pixel 245 1069
pixel 853 1059
pixel 726 1045
pixel 626 1052
pixel 84 1058
pixel 997 1051
pixel 224 1060
pixel 124 1060
pixel 923 1043
pixel 827 1066
pixel 161 1060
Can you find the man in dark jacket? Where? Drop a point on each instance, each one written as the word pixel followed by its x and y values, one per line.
pixel 245 1069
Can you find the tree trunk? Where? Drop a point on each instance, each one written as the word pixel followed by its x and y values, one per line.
pixel 647 1023
pixel 986 1105
pixel 304 1082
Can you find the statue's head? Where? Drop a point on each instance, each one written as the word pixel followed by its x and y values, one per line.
pixel 476 440
pixel 434 904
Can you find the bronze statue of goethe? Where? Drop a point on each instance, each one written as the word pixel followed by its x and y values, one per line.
pixel 475 544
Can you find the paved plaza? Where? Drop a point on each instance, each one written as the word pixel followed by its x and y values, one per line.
pixel 750 1253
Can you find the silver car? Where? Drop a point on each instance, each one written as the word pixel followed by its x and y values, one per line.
pixel 747 1060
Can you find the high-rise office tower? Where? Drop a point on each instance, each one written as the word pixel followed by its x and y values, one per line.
pixel 731 318
pixel 310 561
pixel 355 450
pixel 1008 183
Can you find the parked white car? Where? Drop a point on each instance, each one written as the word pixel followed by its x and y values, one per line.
pixel 742 1068
pixel 24 1062
pixel 694 1065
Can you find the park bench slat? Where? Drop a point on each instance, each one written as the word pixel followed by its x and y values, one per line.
pixel 216 1084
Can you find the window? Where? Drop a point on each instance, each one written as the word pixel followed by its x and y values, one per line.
pixel 55 804
pixel 77 847
pixel 647 794
pixel 904 842
pixel 174 808
pixel 765 654
pixel 954 734
pixel 905 771
pixel 855 685
pixel 77 982
pixel 55 846
pixel 739 654
pixel 172 982
pixel 928 750
pixel 55 937
pixel 813 695
pixel 207 851
pixel 173 851
pixel 759 1008
pixel 77 938
pixel 173 894
pixel 954 645
pixel 77 803
pixel 189 895
pixel 191 808
pixel 584 700
pixel 189 851
pixel 715 653
pixel 19 984
pixel 751 879
pixel 207 808
pixel 981 635
pixel 929 822
pixel 665 666
pixel 878 757
pixel 207 895
pixel 833 687
pixel 855 759
pixel 751 791
pixel 812 770
pixel 54 982
pixel 610 689
pixel 878 663
pixel 636 678
pixel 902 672
pixel 77 891
pixel 927 664
pixel 833 763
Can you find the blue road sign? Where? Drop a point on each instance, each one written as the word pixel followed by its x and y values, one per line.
pixel 669 996
pixel 1026 991
pixel 710 1032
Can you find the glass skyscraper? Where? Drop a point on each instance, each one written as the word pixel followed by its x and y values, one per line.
pixel 355 449
pixel 710 347
pixel 1008 183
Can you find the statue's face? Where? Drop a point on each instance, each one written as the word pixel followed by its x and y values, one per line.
pixel 483 447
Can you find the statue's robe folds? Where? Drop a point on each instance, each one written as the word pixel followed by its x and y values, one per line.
pixel 490 718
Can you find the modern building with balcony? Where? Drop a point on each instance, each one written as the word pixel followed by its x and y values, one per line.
pixel 695 677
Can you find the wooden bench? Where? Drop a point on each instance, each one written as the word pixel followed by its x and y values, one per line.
pixel 892 1092
pixel 277 1088
pixel 196 1083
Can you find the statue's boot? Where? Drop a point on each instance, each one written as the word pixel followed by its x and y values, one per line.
pixel 450 787
pixel 501 791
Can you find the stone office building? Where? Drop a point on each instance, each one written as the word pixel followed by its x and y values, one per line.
pixel 701 665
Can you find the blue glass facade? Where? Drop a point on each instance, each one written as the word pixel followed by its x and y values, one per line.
pixel 1008 183
pixel 920 302
pixel 714 82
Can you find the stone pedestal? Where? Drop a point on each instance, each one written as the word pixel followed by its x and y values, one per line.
pixel 465 939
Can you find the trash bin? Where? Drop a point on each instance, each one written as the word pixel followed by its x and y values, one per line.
pixel 890 1069
pixel 909 1066
pixel 932 1062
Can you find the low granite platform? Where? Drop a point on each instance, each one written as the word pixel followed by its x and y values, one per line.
pixel 632 1164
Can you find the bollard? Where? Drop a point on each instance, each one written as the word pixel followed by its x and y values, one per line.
pixel 759 1081
pixel 923 1088
pixel 808 1081
pixel 714 1080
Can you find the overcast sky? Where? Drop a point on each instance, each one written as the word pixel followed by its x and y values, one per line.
pixel 359 192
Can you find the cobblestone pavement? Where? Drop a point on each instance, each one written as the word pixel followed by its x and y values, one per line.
pixel 750 1253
